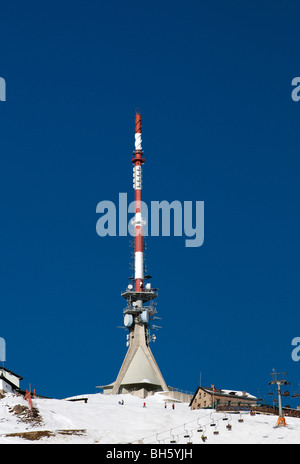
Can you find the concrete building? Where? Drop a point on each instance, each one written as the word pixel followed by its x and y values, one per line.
pixel 221 399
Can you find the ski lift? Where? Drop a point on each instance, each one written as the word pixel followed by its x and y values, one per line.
pixel 286 393
pixel 173 438
pixel 227 417
pixel 296 395
pixel 212 423
pixel 190 438
pixel 187 434
pixel 200 429
pixel 203 436
pixel 159 440
pixel 216 431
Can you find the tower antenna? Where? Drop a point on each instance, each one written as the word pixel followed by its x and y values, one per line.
pixel 139 372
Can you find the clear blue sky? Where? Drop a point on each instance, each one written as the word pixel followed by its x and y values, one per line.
pixel 213 82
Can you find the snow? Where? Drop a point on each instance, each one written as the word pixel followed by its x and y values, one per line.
pixel 238 393
pixel 104 420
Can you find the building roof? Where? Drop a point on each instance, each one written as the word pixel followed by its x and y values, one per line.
pixel 234 393
pixel 11 372
pixel 225 393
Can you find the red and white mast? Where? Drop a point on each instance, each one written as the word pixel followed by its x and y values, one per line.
pixel 139 363
pixel 138 222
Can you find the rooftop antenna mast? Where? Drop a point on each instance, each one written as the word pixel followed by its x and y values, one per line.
pixel 279 381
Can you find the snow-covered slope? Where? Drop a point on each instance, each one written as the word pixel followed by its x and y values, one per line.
pixel 103 420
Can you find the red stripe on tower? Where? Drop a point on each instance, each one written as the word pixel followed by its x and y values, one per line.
pixel 138 160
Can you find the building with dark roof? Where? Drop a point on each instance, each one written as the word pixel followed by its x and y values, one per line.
pixel 216 398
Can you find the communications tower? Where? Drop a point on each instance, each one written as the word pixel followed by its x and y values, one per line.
pixel 139 372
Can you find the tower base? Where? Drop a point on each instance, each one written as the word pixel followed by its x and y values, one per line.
pixel 139 390
pixel 139 373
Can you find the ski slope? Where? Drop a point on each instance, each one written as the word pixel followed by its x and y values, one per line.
pixel 103 420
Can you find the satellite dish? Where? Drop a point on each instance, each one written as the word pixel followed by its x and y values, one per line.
pixel 130 287
pixel 145 317
pixel 128 320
